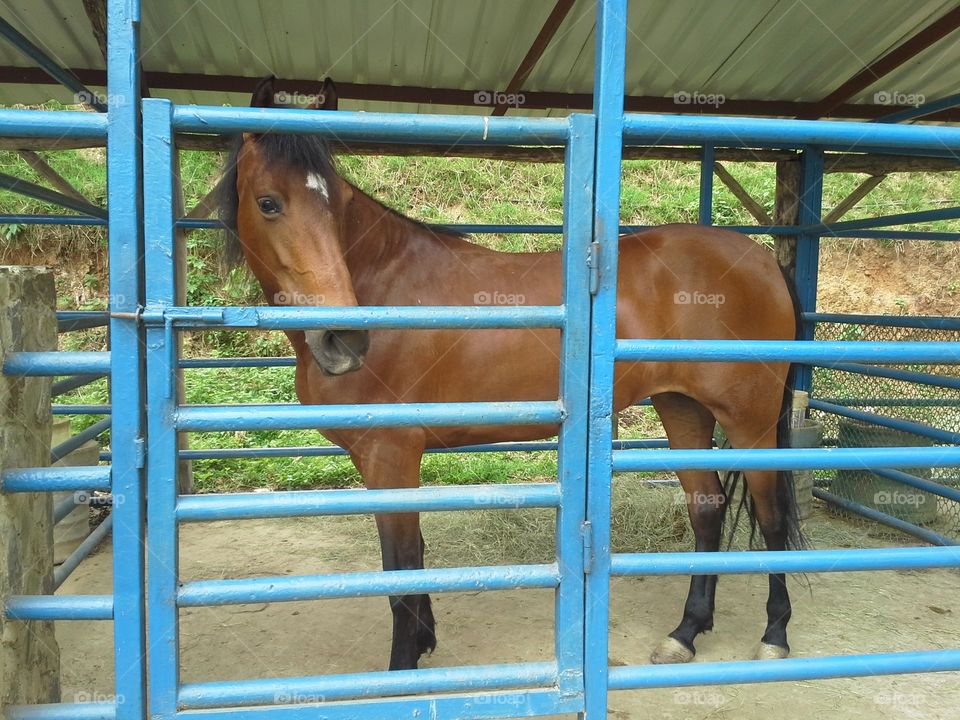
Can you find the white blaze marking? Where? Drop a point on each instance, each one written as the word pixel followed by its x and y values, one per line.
pixel 316 182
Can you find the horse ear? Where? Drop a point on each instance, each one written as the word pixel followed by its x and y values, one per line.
pixel 263 94
pixel 328 99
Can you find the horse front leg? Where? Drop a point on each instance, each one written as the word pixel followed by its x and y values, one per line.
pixel 392 460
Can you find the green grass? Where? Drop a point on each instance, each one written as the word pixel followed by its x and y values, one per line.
pixel 449 190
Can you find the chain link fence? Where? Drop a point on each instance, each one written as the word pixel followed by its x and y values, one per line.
pixel 936 407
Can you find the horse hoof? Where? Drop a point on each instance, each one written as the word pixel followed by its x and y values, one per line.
pixel 671 651
pixel 766 651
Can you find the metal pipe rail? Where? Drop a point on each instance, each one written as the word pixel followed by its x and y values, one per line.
pixel 46 124
pixel 89 544
pixel 921 533
pixel 925 322
pixel 785 459
pixel 59 607
pixel 930 486
pixel 221 418
pixel 307 503
pixel 360 317
pixel 203 593
pixel 65 711
pixel 791 669
pixel 907 426
pixel 821 352
pixel 910 376
pixel 56 479
pixel 472 678
pixel 74 442
pixel 655 129
pixel 51 362
pixel 80 409
pixel 62 387
pixel 353 126
pixel 70 320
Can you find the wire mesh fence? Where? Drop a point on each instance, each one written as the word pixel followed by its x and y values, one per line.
pixel 926 404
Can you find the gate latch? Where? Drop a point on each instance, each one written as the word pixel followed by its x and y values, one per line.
pixel 586 532
pixel 593 267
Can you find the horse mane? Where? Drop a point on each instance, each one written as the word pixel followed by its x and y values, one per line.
pixel 308 153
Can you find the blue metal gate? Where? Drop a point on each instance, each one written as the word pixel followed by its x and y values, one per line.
pixel 577 679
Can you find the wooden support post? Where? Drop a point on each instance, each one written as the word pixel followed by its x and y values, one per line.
pixel 786 209
pixel 752 206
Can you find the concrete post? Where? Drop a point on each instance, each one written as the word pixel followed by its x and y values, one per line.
pixel 29 655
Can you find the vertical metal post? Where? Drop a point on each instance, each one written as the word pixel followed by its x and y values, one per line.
pixel 159 187
pixel 124 197
pixel 611 40
pixel 573 534
pixel 707 161
pixel 808 248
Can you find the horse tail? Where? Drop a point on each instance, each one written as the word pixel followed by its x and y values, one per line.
pixel 785 496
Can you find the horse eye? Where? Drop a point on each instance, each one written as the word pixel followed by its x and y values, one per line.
pixel 268 206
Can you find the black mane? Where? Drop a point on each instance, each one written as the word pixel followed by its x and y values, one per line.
pixel 309 153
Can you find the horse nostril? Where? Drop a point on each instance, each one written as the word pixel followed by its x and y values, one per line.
pixel 341 351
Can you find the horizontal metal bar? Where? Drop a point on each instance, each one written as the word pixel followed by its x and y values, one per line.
pixel 221 418
pixel 920 216
pixel 785 459
pixel 366 584
pixel 379 127
pixel 69 320
pixel 745 132
pixel 80 409
pixel 930 486
pixel 884 234
pixel 323 688
pixel 927 108
pixel 369 317
pixel 62 387
pixel 85 435
pixel 66 506
pixel 907 426
pixel 28 219
pixel 335 451
pixel 477 706
pixel 782 561
pixel 56 362
pixel 55 479
pixel 926 322
pixel 89 544
pixel 884 518
pixel 65 711
pixel 911 376
pixel 59 607
pixel 821 352
pixel 46 124
pixel 240 362
pixel 303 503
pixel 893 402
pixel 792 669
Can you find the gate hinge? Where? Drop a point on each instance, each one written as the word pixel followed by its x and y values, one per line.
pixel 586 532
pixel 139 453
pixel 593 266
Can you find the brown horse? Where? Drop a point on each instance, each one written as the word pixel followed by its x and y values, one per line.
pixel 312 238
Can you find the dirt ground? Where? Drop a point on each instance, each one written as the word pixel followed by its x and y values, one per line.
pixel 837 613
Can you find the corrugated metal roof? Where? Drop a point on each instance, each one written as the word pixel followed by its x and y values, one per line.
pixel 786 50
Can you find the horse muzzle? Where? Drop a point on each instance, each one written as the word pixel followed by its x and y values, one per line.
pixel 338 351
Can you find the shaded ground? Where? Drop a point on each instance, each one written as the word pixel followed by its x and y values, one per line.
pixel 848 613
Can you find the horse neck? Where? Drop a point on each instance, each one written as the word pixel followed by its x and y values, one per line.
pixel 385 252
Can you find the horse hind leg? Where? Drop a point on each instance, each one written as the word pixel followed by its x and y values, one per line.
pixel 774 509
pixel 689 424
